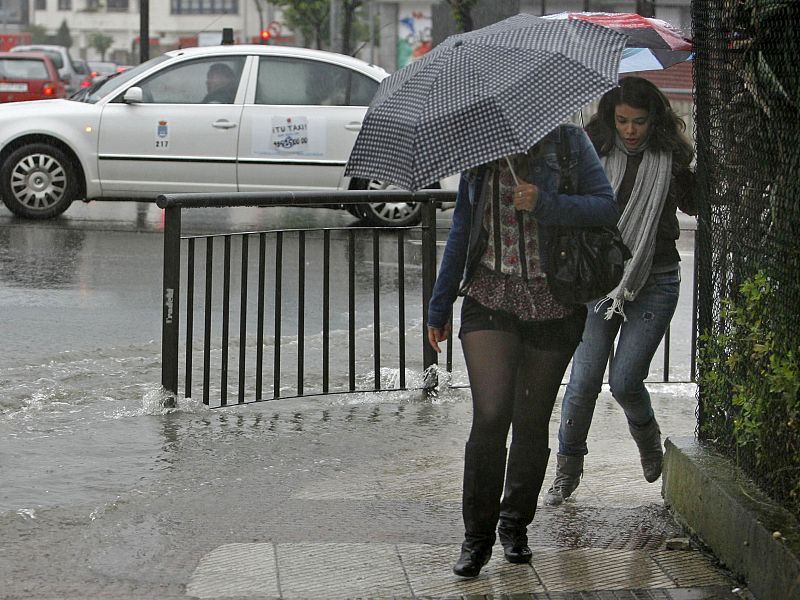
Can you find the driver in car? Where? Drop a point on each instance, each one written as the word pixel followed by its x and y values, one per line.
pixel 220 84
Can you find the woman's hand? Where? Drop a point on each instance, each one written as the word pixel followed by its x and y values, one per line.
pixel 438 334
pixel 525 196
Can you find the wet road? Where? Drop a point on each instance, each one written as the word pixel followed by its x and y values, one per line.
pixel 92 279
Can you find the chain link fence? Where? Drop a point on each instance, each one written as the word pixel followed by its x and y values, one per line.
pixel 747 120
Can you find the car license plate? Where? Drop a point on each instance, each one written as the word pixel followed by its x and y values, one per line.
pixel 13 87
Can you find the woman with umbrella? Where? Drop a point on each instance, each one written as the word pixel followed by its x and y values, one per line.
pixel 646 157
pixel 517 339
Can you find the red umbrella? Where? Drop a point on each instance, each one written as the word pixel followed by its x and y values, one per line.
pixel 652 43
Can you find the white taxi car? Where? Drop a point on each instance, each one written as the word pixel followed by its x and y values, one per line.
pixel 246 118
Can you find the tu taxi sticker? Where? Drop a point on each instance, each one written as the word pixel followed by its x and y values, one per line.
pixel 296 135
pixel 290 134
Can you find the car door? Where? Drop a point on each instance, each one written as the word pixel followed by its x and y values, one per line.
pixel 178 139
pixel 300 123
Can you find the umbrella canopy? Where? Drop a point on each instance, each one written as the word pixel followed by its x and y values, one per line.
pixel 482 95
pixel 653 44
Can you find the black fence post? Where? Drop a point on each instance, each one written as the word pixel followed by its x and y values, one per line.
pixel 171 301
pixel 429 356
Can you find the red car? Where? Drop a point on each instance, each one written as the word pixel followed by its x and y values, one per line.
pixel 28 76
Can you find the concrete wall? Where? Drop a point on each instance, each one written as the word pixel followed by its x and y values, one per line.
pixel 751 535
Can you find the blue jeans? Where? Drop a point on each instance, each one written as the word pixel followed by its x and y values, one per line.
pixel 648 318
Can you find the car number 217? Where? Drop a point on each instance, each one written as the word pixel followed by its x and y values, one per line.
pixel 162 143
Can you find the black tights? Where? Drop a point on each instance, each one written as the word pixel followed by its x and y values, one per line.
pixel 514 384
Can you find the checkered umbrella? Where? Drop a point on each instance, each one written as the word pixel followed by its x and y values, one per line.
pixel 482 95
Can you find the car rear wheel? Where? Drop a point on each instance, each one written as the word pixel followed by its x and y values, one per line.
pixel 38 181
pixel 385 214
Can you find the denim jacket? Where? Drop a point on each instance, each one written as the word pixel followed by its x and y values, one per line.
pixel 593 204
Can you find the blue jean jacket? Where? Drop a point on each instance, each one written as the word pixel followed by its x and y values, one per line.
pixel 593 204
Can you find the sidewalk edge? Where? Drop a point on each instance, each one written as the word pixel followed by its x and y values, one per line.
pixel 715 501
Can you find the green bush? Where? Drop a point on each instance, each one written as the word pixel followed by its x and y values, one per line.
pixel 750 388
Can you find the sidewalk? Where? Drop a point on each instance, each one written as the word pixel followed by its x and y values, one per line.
pixel 354 496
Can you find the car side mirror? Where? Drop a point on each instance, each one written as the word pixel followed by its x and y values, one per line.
pixel 133 95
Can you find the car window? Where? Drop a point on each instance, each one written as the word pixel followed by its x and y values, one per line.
pixel 102 67
pixel 362 90
pixel 27 68
pixel 55 55
pixel 117 80
pixel 283 80
pixel 203 81
pixel 58 62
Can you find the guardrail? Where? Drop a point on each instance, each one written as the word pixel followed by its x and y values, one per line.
pixel 243 333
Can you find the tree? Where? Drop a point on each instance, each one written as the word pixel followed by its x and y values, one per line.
pixel 354 26
pixel 462 13
pixel 38 34
pixel 100 42
pixel 310 17
pixel 63 37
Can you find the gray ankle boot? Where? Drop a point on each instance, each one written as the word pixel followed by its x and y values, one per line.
pixel 569 470
pixel 648 440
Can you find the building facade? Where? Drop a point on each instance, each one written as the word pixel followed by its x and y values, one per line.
pixel 400 29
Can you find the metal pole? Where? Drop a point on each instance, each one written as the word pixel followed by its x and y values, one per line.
pixel 695 296
pixel 260 10
pixel 144 30
pixel 371 17
pixel 333 25
pixel 171 303
pixel 429 356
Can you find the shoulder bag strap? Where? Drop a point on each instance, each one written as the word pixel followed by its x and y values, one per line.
pixel 567 179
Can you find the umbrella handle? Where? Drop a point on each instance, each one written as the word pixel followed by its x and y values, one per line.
pixel 514 175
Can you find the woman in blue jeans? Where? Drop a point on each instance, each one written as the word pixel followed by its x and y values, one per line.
pixel 517 338
pixel 646 156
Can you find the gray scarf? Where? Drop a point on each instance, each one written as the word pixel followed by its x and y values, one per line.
pixel 639 221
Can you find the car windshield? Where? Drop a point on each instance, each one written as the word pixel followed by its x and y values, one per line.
pixel 28 68
pixel 106 86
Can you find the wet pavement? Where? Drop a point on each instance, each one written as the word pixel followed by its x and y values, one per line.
pixel 103 494
pixel 354 496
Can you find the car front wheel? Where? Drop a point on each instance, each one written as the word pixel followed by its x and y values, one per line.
pixel 385 214
pixel 38 181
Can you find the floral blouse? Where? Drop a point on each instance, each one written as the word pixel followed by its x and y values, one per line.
pixel 509 277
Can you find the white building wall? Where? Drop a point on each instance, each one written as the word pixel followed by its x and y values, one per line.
pixel 394 38
pixel 124 26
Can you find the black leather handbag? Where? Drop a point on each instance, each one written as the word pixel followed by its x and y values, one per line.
pixel 584 263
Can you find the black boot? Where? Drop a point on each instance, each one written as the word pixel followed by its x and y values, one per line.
pixel 648 440
pixel 524 477
pixel 473 556
pixel 484 468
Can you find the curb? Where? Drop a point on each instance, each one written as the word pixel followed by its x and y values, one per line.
pixel 713 499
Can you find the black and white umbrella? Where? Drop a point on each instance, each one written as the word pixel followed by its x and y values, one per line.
pixel 482 95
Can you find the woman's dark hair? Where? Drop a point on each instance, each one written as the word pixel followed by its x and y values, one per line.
pixel 666 128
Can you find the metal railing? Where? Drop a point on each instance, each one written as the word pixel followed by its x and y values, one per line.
pixel 248 371
pixel 248 325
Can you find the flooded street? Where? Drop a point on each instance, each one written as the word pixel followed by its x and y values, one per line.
pixel 80 412
pixel 81 330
